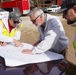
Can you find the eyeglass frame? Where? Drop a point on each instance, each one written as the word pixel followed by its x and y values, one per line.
pixel 33 21
pixel 16 22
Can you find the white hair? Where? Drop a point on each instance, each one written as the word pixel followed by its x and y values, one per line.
pixel 36 11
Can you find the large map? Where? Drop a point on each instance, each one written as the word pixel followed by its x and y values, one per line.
pixel 14 57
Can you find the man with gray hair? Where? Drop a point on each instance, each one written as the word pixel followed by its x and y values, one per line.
pixel 52 37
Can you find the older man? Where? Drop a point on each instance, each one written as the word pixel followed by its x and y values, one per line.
pixel 52 36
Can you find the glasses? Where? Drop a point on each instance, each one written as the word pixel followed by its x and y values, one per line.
pixel 16 22
pixel 35 19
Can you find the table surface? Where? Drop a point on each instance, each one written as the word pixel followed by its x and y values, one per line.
pixel 14 57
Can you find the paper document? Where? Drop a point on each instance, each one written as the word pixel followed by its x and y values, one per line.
pixel 14 57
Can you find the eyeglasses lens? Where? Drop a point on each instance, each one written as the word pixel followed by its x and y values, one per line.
pixel 16 22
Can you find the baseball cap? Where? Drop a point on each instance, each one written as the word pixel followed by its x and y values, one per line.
pixel 15 16
pixel 67 7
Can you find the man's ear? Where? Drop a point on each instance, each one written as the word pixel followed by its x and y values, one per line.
pixel 74 8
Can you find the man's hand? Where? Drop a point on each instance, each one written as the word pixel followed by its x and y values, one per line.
pixel 17 43
pixel 3 43
pixel 27 51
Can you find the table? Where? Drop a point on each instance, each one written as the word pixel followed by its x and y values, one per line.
pixel 14 57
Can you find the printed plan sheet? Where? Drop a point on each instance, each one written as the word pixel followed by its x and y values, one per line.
pixel 14 57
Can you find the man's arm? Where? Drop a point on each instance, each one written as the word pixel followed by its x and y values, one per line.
pixel 17 43
pixel 49 41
